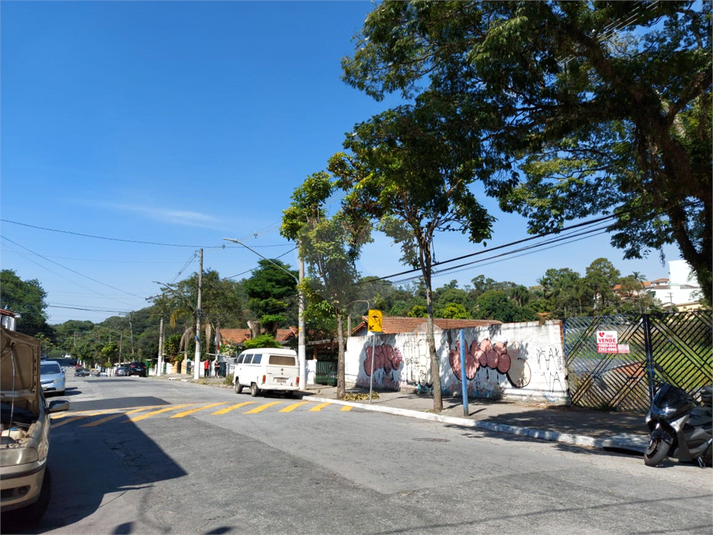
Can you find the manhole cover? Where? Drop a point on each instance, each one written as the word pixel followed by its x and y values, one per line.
pixel 432 439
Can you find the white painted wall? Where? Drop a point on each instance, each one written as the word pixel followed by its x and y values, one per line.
pixel 526 362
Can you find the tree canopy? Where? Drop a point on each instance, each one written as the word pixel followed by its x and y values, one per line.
pixel 26 298
pixel 567 109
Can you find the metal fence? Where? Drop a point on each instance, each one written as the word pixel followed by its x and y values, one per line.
pixel 676 348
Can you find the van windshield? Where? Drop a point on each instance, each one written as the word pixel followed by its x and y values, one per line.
pixel 282 360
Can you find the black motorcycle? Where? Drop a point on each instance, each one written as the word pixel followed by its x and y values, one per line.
pixel 680 426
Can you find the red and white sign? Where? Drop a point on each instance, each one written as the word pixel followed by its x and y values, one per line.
pixel 607 342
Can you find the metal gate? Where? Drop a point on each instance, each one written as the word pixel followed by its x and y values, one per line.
pixel 676 348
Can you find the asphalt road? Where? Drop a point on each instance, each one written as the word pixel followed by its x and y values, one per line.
pixel 146 455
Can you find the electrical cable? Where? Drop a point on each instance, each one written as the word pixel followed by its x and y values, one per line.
pixel 113 239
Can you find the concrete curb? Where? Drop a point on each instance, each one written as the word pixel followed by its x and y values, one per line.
pixel 624 442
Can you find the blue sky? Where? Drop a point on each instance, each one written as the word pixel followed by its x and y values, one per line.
pixel 162 127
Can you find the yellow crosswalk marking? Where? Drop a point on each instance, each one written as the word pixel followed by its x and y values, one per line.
pixel 159 411
pixel 231 408
pixel 292 407
pixel 112 417
pixel 263 407
pixel 75 418
pixel 346 408
pixel 191 411
pixel 319 407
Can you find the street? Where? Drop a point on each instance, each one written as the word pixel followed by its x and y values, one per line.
pixel 146 455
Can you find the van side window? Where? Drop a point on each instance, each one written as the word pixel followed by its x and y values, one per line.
pixel 240 359
pixel 257 358
pixel 248 357
pixel 282 360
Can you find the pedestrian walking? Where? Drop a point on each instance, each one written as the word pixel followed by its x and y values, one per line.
pixel 206 368
pixel 216 366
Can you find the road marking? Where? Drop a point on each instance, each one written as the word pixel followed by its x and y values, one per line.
pixel 231 408
pixel 75 418
pixel 346 408
pixel 112 417
pixel 60 415
pixel 292 407
pixel 191 411
pixel 320 407
pixel 159 411
pixel 263 407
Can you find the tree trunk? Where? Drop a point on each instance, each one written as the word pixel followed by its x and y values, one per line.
pixel 426 264
pixel 341 387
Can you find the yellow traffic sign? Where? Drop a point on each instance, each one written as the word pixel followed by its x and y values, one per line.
pixel 376 321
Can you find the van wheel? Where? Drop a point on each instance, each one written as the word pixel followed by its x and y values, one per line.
pixel 254 390
pixel 238 386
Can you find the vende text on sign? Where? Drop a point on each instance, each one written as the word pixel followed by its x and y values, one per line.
pixel 607 342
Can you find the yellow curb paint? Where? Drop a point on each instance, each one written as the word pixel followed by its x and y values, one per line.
pixel 159 411
pixel 263 407
pixel 319 407
pixel 231 408
pixel 191 411
pixel 292 407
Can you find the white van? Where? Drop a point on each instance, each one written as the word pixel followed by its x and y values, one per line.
pixel 267 369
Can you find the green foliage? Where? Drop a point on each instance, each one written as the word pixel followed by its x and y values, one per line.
pixel 27 300
pixel 271 293
pixel 562 109
pixel 262 340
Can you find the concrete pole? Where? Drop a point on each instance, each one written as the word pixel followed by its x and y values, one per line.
pixel 160 348
pixel 301 347
pixel 197 357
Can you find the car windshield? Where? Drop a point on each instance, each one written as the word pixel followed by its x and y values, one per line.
pixel 49 368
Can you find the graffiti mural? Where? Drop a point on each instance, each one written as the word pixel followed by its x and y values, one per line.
pixel 489 356
pixel 386 361
pixel 550 362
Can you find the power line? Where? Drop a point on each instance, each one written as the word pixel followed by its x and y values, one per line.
pixel 70 269
pixel 507 245
pixel 221 246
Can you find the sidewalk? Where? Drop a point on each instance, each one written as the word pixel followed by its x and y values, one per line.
pixel 567 425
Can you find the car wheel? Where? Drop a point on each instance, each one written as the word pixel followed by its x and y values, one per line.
pixel 254 390
pixel 238 386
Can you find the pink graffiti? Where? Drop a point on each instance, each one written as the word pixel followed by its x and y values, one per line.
pixel 478 356
pixel 385 356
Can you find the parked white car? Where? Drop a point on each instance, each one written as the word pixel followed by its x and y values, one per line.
pixel 52 377
pixel 267 369
pixel 24 440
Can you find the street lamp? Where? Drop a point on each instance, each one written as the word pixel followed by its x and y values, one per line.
pixel 301 349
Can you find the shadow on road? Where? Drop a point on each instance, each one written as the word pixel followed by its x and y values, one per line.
pixel 90 463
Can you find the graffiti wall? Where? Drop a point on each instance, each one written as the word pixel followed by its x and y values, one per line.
pixel 516 360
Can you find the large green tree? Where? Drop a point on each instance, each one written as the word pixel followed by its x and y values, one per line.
pixel 405 174
pixel 271 293
pixel 26 298
pixel 585 107
pixel 329 246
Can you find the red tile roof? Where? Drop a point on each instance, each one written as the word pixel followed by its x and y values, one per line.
pixel 239 336
pixel 398 324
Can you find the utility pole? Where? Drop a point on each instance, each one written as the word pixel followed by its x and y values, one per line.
pixel 301 350
pixel 160 348
pixel 197 357
pixel 131 330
